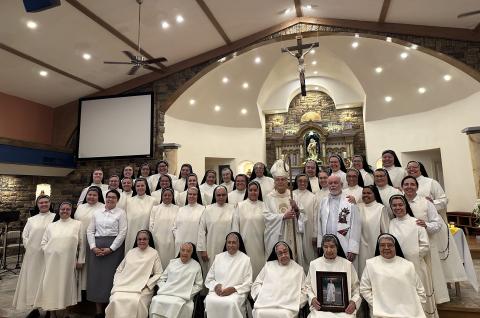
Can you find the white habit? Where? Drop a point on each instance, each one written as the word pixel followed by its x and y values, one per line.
pixel 208 192
pixel 153 180
pixel 392 288
pixel 185 227
pixel 279 290
pixel 385 193
pixel 355 192
pixel 182 198
pixel 138 217
pixel 176 288
pixel 396 174
pixel 133 284
pixel 122 203
pixel 162 219
pixel 179 185
pixel 215 224
pixel 428 187
pixel 33 261
pixel 266 184
pixel 236 196
pixel 367 177
pixel 104 188
pixel 339 264
pixel 229 186
pixel 229 271
pixel 63 247
pixel 314 184
pixel 248 221
pixel 307 200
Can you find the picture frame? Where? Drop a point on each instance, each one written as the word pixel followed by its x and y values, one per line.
pixel 332 291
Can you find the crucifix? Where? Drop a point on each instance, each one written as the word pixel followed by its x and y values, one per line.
pixel 300 55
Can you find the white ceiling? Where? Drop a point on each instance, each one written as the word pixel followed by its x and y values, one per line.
pixel 64 34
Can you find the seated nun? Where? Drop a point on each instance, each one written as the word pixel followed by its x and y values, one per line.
pixel 135 279
pixel 390 283
pixel 229 280
pixel 333 259
pixel 279 289
pixel 181 280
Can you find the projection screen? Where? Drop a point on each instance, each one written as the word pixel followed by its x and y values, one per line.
pixel 115 126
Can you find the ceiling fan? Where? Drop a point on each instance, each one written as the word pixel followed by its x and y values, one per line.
pixel 467 14
pixel 139 60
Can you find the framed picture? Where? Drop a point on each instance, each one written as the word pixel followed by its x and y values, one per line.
pixel 332 291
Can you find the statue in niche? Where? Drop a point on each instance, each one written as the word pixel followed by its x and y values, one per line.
pixel 312 149
pixel 312 146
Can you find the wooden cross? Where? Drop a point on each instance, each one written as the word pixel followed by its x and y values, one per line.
pixel 300 55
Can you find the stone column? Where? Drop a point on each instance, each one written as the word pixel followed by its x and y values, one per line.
pixel 170 152
pixel 473 134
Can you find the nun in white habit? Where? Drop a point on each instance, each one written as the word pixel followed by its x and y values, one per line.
pixel 238 193
pixel 261 175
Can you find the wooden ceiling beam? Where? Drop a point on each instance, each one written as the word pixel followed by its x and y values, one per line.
pixel 49 66
pixel 214 21
pixel 384 11
pixel 298 8
pixel 80 7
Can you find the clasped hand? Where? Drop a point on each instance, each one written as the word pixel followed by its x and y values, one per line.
pixel 104 251
pixel 224 292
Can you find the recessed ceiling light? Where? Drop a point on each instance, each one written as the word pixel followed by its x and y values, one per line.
pixel 422 90
pixel 312 52
pixel 32 24
pixel 357 35
pixel 378 69
pixel 243 111
pixel 404 55
pixel 217 108
pixel 192 102
pixel 179 19
pixel 388 39
pixel 43 73
pixel 86 56
pixel 388 99
pixel 258 60
pixel 287 11
pixel 245 85
pixel 315 72
pixel 447 77
pixel 314 62
pixel 414 46
pixel 165 25
pixel 355 45
pixel 308 6
pixel 225 80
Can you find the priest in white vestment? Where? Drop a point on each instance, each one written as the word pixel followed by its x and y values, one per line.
pixel 361 164
pixel 127 192
pixel 229 280
pixel 84 213
pixel 375 221
pixel 179 283
pixel 30 275
pixel 215 224
pixel 208 185
pixel 135 279
pixel 284 217
pixel 139 207
pixel 312 170
pixel 279 289
pixel 415 246
pixel 260 174
pixel 332 260
pixel 322 193
pixel 390 283
pixel 187 221
pixel 337 216
pixel 391 163
pixel 162 220
pixel 96 179
pixel 337 168
pixel 306 199
pixel 239 190
pixel 248 221
pixel 64 250
pixel 384 185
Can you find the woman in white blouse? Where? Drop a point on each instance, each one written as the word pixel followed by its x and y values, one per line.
pixel 106 235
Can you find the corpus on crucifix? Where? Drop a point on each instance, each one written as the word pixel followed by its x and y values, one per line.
pixel 300 55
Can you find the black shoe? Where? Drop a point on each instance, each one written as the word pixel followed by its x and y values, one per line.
pixel 100 316
pixel 34 314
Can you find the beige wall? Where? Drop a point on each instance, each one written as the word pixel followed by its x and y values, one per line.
pixel 200 141
pixel 439 128
pixel 24 120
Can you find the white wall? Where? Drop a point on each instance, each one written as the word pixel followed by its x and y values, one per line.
pixel 439 128
pixel 200 141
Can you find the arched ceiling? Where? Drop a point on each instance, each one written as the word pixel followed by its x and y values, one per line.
pixel 345 72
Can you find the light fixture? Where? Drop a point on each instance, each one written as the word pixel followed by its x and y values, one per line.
pixel 422 90
pixel 165 25
pixel 225 80
pixel 287 11
pixel 43 73
pixel 314 62
pixel 86 56
pixel 308 6
pixel 388 39
pixel 315 72
pixel 312 52
pixel 32 24
pixel 217 108
pixel 447 77
pixel 414 46
pixel 245 85
pixel 192 102
pixel 355 45
pixel 317 88
pixel 223 59
pixel 258 60
pixel 388 99
pixel 357 35
pixel 243 111
pixel 378 69
pixel 179 19
pixel 404 55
